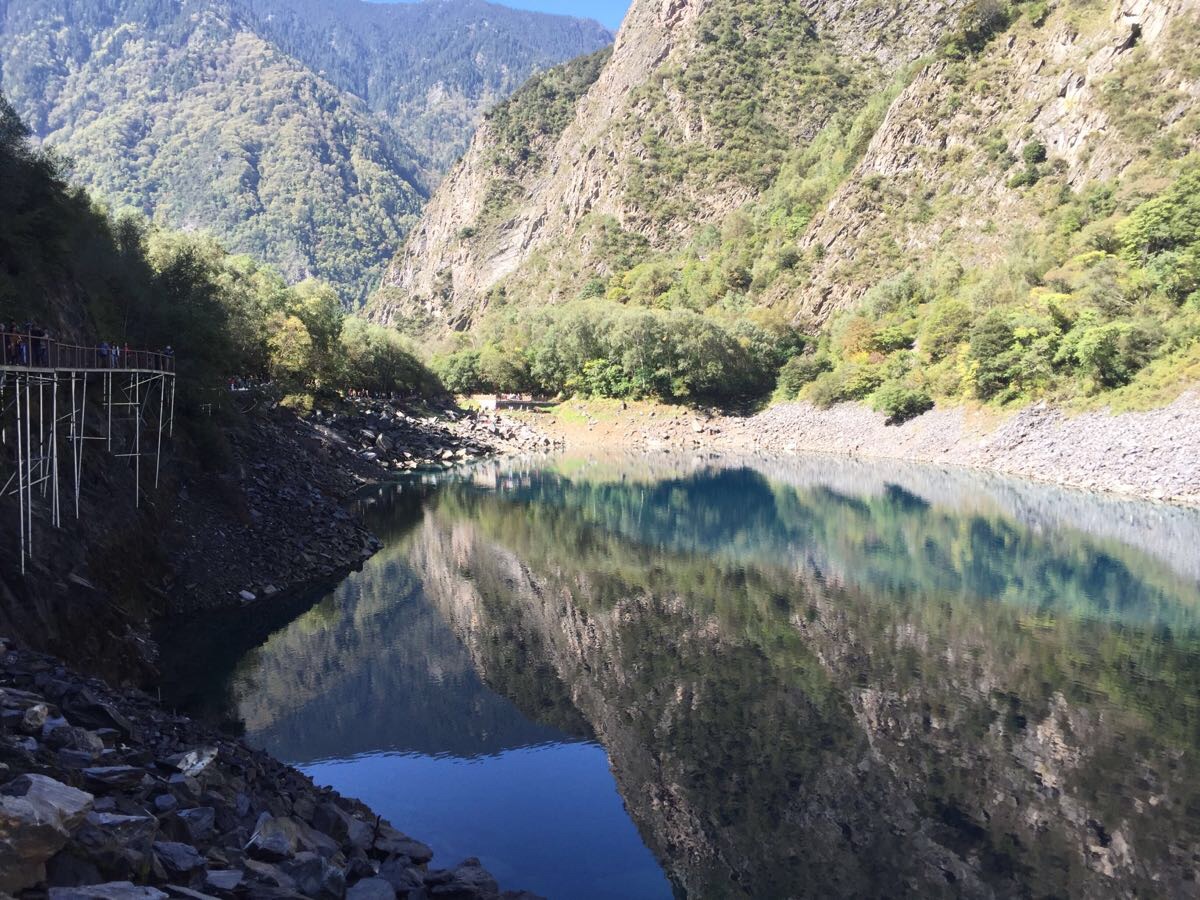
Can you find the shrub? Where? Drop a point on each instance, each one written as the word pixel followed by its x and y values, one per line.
pixel 801 370
pixel 849 381
pixel 1109 353
pixel 1034 153
pixel 947 324
pixel 991 340
pixel 459 371
pixel 900 403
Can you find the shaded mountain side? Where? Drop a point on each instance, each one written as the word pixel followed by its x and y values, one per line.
pixel 749 710
pixel 235 482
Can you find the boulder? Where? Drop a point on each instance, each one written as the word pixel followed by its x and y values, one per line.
pixel 467 881
pixel 37 817
pixel 113 890
pixel 178 859
pixel 371 889
pixel 279 837
pixel 118 845
pixel 225 880
pixel 117 777
pixel 315 877
pixel 401 875
pixel 343 827
pixel 199 822
pixel 391 842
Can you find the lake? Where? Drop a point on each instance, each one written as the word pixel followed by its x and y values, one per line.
pixel 647 677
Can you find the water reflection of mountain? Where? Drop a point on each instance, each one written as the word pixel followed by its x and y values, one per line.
pixel 373 668
pixel 925 530
pixel 778 732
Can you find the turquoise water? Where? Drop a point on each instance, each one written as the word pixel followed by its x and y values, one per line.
pixel 720 677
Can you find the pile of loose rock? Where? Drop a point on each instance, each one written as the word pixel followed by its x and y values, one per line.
pixel 104 795
pixel 272 520
pixel 396 438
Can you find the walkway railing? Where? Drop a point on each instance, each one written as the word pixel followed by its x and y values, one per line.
pixel 19 350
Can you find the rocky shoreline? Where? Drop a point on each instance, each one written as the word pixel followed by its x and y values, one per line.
pixel 105 795
pixel 1153 455
pixel 275 519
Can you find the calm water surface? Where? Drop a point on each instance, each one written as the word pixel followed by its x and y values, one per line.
pixel 715 677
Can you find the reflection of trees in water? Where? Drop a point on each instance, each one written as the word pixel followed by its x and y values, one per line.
pixel 888 731
pixel 889 540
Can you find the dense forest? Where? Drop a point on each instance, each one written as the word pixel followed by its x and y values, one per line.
pixel 430 70
pixel 307 137
pixel 88 275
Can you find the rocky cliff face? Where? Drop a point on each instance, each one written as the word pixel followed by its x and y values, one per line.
pixel 692 120
pixel 590 189
pixel 1059 85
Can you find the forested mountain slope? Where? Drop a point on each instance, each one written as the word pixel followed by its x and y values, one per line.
pixel 980 199
pixel 202 114
pixel 429 69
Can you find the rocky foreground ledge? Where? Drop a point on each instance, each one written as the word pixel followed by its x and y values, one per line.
pixel 105 795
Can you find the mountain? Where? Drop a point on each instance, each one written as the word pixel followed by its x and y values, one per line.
pixel 429 69
pixel 976 199
pixel 204 114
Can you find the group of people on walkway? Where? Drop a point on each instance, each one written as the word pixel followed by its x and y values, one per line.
pixel 25 345
pixel 31 345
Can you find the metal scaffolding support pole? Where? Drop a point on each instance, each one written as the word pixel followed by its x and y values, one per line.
pixel 20 477
pixel 41 457
pixel 162 397
pixel 79 440
pixel 136 385
pixel 55 516
pixel 108 403
pixel 171 432
pixel 29 473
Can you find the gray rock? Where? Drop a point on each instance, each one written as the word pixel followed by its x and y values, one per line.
pixel 315 877
pixel 72 738
pixel 176 890
pixel 269 874
pixel 279 837
pixel 113 890
pixel 178 859
pixel 371 889
pixel 120 845
pixel 222 879
pixel 37 817
pixel 342 827
pixel 468 880
pixel 391 842
pixel 401 875
pixel 165 803
pixel 199 822
pixel 114 776
pixel 194 762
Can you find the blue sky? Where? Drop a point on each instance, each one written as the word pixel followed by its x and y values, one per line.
pixel 609 12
